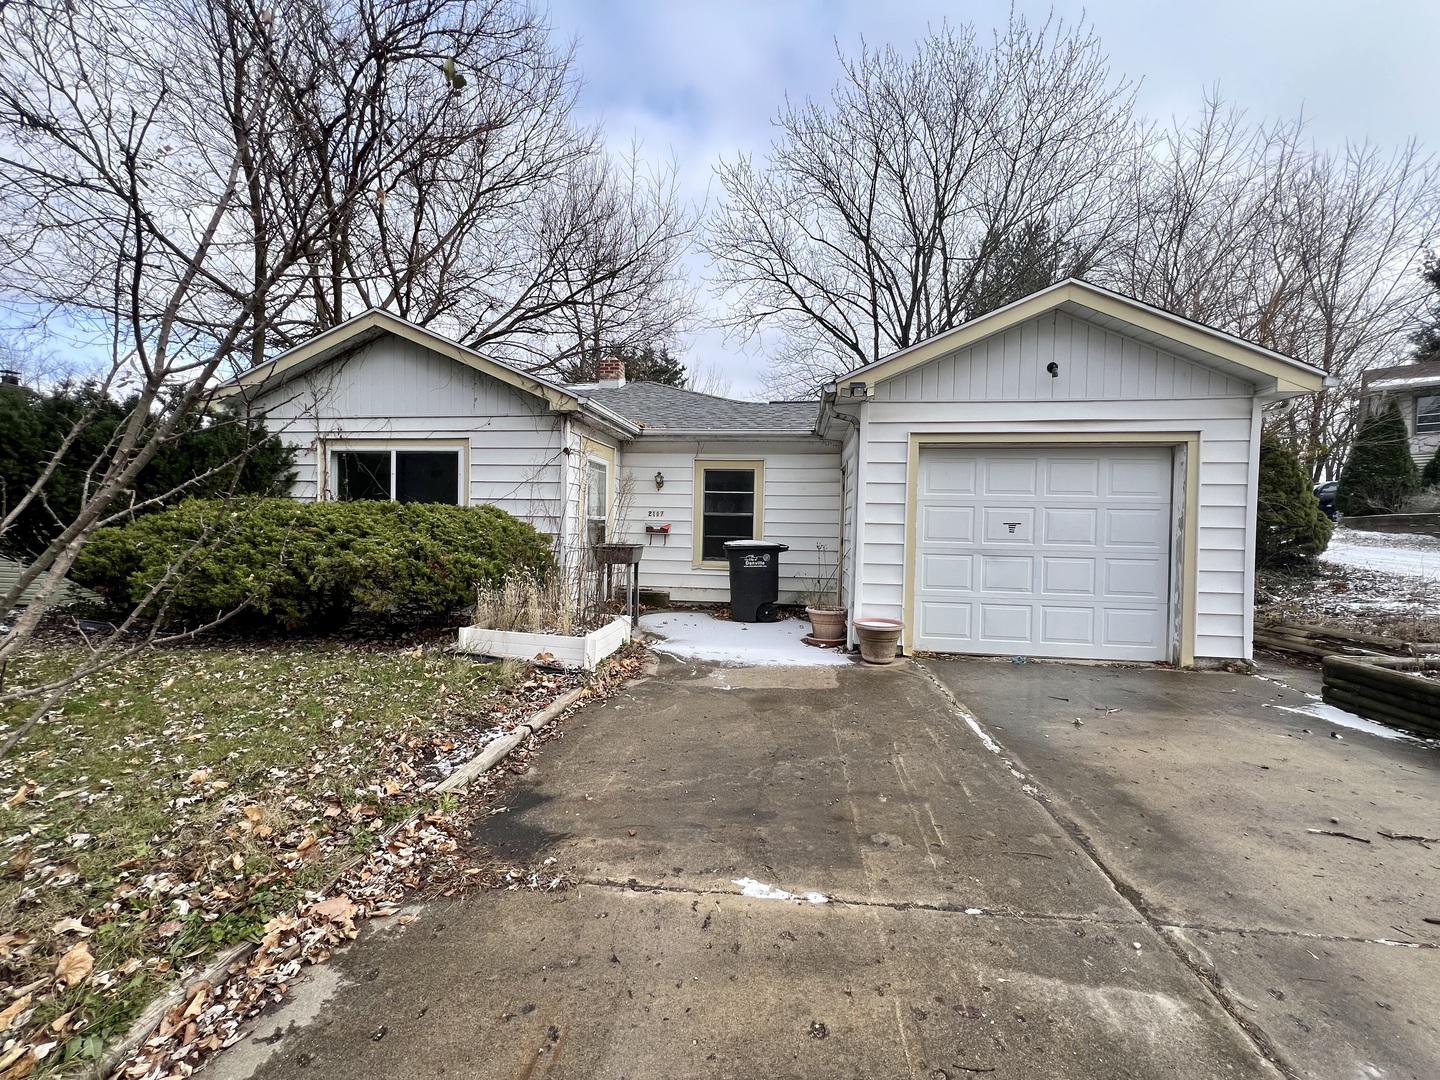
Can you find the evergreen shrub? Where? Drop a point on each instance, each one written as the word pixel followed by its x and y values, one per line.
pixel 1379 475
pixel 305 565
pixel 1291 529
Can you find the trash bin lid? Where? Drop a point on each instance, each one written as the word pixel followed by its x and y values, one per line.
pixel 756 545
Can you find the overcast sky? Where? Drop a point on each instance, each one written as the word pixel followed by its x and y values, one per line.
pixel 702 79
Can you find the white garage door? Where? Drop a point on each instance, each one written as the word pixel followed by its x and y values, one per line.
pixel 1062 553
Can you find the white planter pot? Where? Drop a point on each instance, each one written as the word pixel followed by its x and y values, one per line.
pixel 576 652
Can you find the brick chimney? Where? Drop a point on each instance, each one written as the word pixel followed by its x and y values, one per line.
pixel 612 372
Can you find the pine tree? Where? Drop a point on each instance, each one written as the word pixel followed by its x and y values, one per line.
pixel 1431 476
pixel 1291 529
pixel 1379 475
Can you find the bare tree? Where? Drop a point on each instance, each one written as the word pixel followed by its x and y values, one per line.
pixel 1314 253
pixel 876 219
pixel 124 204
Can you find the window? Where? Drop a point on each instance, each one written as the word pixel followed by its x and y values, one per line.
pixel 597 489
pixel 420 476
pixel 1427 413
pixel 728 507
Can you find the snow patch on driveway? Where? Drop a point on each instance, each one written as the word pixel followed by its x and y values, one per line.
pixel 698 635
pixel 761 891
pixel 1340 718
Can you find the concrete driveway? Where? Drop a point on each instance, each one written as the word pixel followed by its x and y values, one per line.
pixel 925 901
pixel 1199 798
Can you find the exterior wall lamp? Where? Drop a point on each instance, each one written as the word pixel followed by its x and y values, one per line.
pixel 659 479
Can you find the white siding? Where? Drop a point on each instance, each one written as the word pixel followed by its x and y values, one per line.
pixel 1107 383
pixel 801 508
pixel 395 390
pixel 1094 364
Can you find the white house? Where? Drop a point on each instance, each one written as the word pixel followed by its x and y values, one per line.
pixel 1416 387
pixel 1073 475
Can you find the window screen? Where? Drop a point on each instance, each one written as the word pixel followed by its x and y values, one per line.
pixel 1427 413
pixel 728 509
pixel 424 476
pixel 362 474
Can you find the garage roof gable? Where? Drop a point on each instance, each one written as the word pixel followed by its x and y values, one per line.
pixel 1270 371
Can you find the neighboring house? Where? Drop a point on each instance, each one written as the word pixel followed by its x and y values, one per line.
pixel 1073 475
pixel 1417 388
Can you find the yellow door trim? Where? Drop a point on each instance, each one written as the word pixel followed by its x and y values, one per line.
pixel 697 509
pixel 1190 546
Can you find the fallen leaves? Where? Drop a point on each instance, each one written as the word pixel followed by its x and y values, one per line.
pixel 75 965
pixel 232 849
pixel 16 1007
pixel 71 925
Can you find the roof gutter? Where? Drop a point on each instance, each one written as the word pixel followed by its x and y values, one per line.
pixel 609 419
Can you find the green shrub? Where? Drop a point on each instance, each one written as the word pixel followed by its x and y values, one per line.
pixel 1291 529
pixel 308 565
pixel 1379 475
pixel 1431 476
pixel 211 453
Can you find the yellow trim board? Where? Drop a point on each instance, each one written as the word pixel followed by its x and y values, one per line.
pixel 364 324
pixel 1190 548
pixel 697 508
pixel 1289 374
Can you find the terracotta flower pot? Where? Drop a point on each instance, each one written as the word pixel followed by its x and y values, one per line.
pixel 878 639
pixel 826 623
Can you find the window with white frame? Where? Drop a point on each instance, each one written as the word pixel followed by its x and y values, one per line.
pixel 729 497
pixel 396 474
pixel 597 500
pixel 1427 413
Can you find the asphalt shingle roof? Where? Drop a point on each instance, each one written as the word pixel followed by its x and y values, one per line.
pixel 660 408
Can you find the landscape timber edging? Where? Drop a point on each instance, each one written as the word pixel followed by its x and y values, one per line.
pixel 1383 689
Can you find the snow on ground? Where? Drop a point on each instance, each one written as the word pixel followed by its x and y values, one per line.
pixel 1381 583
pixel 1402 554
pixel 1320 710
pixel 698 635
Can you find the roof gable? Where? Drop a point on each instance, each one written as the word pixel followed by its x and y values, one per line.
pixel 366 327
pixel 1092 363
pixel 1266 370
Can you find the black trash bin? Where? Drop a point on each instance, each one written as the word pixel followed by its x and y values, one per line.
pixel 754 579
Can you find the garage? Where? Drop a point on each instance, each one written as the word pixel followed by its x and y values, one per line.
pixel 1054 552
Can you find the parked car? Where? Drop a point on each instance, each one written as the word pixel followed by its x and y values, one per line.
pixel 1326 494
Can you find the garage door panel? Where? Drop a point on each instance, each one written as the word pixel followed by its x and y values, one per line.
pixel 1078 477
pixel 1007 574
pixel 1138 528
pixel 1136 578
pixel 948 573
pixel 1067 625
pixel 947 524
pixel 1060 552
pixel 1139 478
pixel 1006 623
pixel 1078 525
pixel 949 473
pixel 945 622
pixel 1010 475
pixel 1009 525
pixel 1131 628
pixel 1064 575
